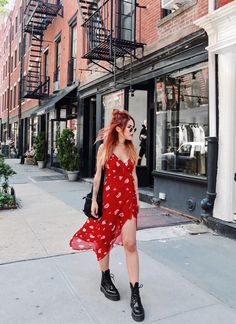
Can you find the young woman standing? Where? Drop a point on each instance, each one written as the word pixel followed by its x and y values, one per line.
pixel 118 223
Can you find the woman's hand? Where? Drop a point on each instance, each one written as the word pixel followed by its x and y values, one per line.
pixel 94 209
pixel 138 206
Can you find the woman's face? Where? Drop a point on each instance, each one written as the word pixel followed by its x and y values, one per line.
pixel 129 130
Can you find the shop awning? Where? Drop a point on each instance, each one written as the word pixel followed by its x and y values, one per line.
pixel 27 113
pixel 50 104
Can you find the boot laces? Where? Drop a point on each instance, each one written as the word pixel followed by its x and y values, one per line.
pixel 110 280
pixel 135 294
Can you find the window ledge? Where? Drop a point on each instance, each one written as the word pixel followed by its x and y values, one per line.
pixel 176 13
pixel 180 176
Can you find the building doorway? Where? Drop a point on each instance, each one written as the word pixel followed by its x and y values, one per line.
pixel 89 137
pixel 141 107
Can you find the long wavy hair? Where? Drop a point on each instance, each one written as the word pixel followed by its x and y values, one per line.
pixel 110 136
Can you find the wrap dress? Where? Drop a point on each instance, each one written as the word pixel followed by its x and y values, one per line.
pixel 119 205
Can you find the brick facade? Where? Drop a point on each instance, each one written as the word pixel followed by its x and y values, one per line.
pixel 154 30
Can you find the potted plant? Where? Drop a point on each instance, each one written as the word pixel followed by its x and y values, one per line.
pixel 68 153
pixel 40 149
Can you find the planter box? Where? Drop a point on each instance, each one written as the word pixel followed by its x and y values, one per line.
pixel 72 175
pixel 6 207
pixel 41 164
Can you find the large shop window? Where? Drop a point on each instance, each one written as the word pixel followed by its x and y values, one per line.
pixel 114 100
pixel 182 121
pixel 138 110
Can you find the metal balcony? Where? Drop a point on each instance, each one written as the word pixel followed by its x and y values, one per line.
pixel 34 88
pixel 110 30
pixel 37 16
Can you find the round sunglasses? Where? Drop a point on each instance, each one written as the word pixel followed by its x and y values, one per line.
pixel 132 129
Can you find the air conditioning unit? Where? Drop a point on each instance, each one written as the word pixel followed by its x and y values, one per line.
pixel 172 4
pixel 56 86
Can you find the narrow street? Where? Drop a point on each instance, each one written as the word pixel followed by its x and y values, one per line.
pixel 187 271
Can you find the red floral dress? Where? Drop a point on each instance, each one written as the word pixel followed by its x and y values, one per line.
pixel 119 205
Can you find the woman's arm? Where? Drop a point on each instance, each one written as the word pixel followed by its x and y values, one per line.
pixel 96 182
pixel 136 185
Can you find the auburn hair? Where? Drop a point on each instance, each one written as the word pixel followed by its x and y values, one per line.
pixel 110 137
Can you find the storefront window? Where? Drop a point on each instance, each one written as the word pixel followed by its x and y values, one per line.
pixel 72 124
pixel 15 134
pixel 182 121
pixel 34 128
pixel 138 110
pixel 111 101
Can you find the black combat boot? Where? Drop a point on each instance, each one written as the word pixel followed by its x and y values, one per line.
pixel 107 286
pixel 136 304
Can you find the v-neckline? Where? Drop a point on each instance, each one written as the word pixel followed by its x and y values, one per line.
pixel 125 163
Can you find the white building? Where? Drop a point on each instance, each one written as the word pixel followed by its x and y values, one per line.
pixel 220 25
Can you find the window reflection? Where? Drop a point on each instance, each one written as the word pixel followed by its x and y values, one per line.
pixel 182 122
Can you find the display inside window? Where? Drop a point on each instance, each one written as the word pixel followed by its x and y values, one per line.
pixel 182 122
pixel 72 124
pixel 114 100
pixel 138 110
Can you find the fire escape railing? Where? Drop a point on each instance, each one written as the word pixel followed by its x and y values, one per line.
pixel 110 31
pixel 38 15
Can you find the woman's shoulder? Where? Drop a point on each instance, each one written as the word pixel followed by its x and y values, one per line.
pixel 100 151
pixel 101 147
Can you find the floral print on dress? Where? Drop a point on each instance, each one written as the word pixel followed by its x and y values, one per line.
pixel 119 205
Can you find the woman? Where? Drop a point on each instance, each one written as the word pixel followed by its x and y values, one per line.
pixel 120 207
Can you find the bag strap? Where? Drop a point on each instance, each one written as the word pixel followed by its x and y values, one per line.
pixel 103 174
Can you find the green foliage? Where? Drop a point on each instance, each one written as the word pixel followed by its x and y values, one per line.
pixel 6 198
pixel 5 172
pixel 40 143
pixel 2 5
pixel 67 150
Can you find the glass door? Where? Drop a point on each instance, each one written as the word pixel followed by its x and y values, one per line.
pixel 140 110
pixel 57 127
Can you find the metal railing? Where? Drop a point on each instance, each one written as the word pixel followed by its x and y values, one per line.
pixel 33 87
pixel 114 21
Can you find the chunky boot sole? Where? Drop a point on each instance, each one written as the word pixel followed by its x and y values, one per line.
pixel 107 295
pixel 138 318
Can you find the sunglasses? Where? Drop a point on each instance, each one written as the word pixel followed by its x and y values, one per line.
pixel 132 129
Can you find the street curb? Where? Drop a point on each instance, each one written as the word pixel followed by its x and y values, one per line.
pixel 220 226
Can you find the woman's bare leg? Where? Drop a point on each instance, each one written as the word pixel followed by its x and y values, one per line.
pixel 132 260
pixel 107 286
pixel 104 263
pixel 131 252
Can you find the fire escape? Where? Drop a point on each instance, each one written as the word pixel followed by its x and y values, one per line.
pixel 38 15
pixel 112 30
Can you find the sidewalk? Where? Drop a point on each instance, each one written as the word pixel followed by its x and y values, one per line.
pixel 187 270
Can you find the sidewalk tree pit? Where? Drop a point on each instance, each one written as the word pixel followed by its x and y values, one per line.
pixel 7 193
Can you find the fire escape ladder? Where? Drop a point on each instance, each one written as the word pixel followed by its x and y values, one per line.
pixel 38 16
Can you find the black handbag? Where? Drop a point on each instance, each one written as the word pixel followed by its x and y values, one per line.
pixel 88 199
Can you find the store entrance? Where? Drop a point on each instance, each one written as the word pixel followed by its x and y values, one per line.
pixel 89 137
pixel 57 127
pixel 141 107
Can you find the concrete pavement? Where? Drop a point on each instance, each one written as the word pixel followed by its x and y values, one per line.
pixel 187 270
